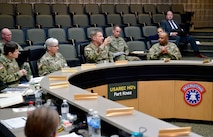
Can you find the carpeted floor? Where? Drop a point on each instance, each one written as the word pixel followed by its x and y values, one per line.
pixel 205 130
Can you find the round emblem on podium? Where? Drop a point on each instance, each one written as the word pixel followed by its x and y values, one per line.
pixel 193 93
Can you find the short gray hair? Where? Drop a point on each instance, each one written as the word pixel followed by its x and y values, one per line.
pixel 94 32
pixel 51 41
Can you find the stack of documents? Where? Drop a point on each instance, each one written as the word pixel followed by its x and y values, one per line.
pixel 14 123
pixel 9 99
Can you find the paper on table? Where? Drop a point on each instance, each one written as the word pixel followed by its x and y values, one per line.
pixel 19 109
pixel 73 134
pixel 14 123
pixel 118 54
pixel 12 100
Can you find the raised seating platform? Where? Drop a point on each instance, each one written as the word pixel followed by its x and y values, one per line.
pixel 204 38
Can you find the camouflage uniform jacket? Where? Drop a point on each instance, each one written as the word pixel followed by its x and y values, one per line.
pixel 119 50
pixel 9 71
pixel 155 52
pixel 2 47
pixel 25 66
pixel 97 55
pixel 48 64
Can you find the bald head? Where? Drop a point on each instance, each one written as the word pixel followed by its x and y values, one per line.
pixel 163 38
pixel 6 35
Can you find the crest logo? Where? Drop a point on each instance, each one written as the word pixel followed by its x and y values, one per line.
pixel 193 93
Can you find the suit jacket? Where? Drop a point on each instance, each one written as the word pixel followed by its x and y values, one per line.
pixel 167 27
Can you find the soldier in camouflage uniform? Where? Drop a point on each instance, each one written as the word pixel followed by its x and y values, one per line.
pixel 6 35
pixel 97 50
pixel 10 73
pixel 118 48
pixel 164 49
pixel 52 60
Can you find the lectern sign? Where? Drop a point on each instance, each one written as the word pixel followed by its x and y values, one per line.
pixel 124 90
pixel 193 93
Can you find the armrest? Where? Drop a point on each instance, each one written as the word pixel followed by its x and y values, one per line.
pixel 38 26
pixel 18 26
pixel 29 42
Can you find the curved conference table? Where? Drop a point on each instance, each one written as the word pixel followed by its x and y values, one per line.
pixel 147 74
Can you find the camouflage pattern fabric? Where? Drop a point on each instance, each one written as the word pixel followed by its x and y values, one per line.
pixel 2 47
pixel 25 66
pixel 97 55
pixel 9 71
pixel 48 64
pixel 155 52
pixel 118 45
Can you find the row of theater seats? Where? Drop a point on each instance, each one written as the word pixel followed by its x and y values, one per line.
pixel 63 9
pixel 79 15
pixel 76 35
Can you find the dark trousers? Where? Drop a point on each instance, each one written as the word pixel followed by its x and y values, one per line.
pixel 187 39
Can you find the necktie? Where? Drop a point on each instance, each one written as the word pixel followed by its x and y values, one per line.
pixel 172 24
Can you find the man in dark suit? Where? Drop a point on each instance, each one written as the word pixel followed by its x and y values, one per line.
pixel 176 32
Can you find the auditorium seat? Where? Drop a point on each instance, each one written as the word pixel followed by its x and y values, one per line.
pixel 162 8
pixel 59 34
pixel 35 53
pixel 42 9
pixel 44 21
pixel 25 21
pixel 136 46
pixel 177 8
pixel 77 36
pixel 76 9
pixel 144 20
pixel 133 33
pixel 92 9
pixel 114 19
pixel 7 9
pixel 136 9
pixel 149 31
pixel 24 9
pixel 59 9
pixel 7 21
pixel 157 18
pixel 122 9
pixel 69 53
pixel 129 20
pixel 36 36
pixel 98 20
pixel 149 9
pixel 107 9
pixel 80 20
pixel 63 21
pixel 19 37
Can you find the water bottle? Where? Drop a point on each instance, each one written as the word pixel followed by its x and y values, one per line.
pixel 32 84
pixel 96 125
pixel 38 98
pixel 30 108
pixel 89 120
pixel 64 109
pixel 50 104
